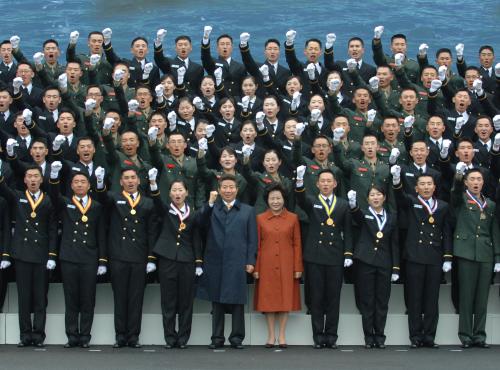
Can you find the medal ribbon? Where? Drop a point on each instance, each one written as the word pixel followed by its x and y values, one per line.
pixel 329 210
pixel 78 205
pixel 426 205
pixel 181 216
pixel 481 205
pixel 380 224
pixel 31 202
pixel 131 202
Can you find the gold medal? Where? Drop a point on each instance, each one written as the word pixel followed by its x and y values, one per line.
pixel 182 226
pixel 133 211
pixel 329 222
pixel 85 218
pixel 380 235
pixel 32 203
pixel 33 214
pixel 431 220
pixel 483 216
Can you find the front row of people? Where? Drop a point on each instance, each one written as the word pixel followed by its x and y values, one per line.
pixel 146 234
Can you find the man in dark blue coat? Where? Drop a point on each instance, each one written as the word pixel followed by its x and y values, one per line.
pixel 230 253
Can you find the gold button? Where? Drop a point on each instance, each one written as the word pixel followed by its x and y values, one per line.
pixel 74 240
pixel 320 233
pixel 178 243
pixel 330 243
pixel 320 242
pixel 420 241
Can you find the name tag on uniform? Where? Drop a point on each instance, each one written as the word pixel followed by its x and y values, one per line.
pixel 318 206
pixel 181 123
pixel 75 169
pixel 417 206
pixel 42 118
pixel 121 202
pixel 238 151
pixel 287 147
pixel 175 66
pixel 221 124
pixel 131 68
pixel 70 206
pixel 23 200
pixel 476 150
pixel 369 217
pixel 451 118
pixel 287 101
pixel 194 149
pixel 409 174
pixel 172 212
pixel 219 64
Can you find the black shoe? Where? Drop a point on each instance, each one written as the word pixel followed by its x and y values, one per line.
pixel 134 345
pixel 23 344
pixel 39 344
pixel 237 346
pixel 84 345
pixel 482 345
pixel 317 346
pixel 269 345
pixel 183 346
pixel 69 345
pixel 169 346
pixel 414 344
pixel 380 345
pixel 431 345
pixel 215 345
pixel 466 345
pixel 283 345
pixel 369 345
pixel 332 346
pixel 118 345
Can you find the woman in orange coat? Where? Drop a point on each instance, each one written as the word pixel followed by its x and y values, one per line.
pixel 279 264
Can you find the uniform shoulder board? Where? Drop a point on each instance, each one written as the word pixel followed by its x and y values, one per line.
pixel 318 206
pixel 131 68
pixel 417 206
pixel 121 202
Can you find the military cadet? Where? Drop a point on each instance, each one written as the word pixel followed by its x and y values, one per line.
pixel 34 249
pixel 179 251
pixel 130 244
pixel 384 82
pixel 7 65
pixel 376 255
pixel 328 249
pixel 82 253
pixel 477 248
pixel 427 252
pixel 391 149
pixel 443 58
pixel 5 235
pixel 486 60
pixel 32 95
pixel 8 107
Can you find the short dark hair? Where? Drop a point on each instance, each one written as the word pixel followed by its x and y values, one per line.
pixel 464 140
pixel 41 140
pixel 128 168
pixel 326 170
pixel 472 170
pixel 428 67
pixel 178 181
pixel 313 40
pixel 418 141
pixel 420 175
pixel 83 138
pixel 274 41
pixel 225 35
pixel 94 33
pixel 228 177
pixel 409 88
pixel 356 38
pixel 398 36
pixel 139 38
pixel 66 110
pixel 443 50
pixel 246 123
pixel 229 149
pixel 183 37
pixel 101 90
pixel 33 167
pixel 5 42
pixel 274 186
pixel 79 173
pixel 50 41
pixel 486 47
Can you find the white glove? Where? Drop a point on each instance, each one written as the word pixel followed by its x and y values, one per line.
pixel 198 103
pixel 152 133
pixel 264 70
pixel 422 50
pixel 4 264
pixel 398 59
pixel 435 85
pixel 442 73
pixel 394 277
pixel 27 116
pixel 99 173
pixel 172 121
pixel 393 157
pixel 478 87
pixel 459 123
pixel 246 150
pixel 301 170
pixel 351 64
pixel 90 104
pixel 244 37
pixel 159 90
pixel 51 264
pixel 207 30
pixel 152 174
pixel 118 75
pixel 311 71
pixel 374 81
pixel 160 35
pixel 73 37
pixel 108 123
pixel 496 143
pixel 11 143
pixel 460 50
pixel 245 101
pixel 101 270
pixel 461 168
pixel 14 41
pixel 203 144
pixel 338 134
pixel 315 114
pixel 150 267
pixel 198 271
pixel 210 130
pixel 38 58
pixel 330 40
pixel 378 31
pixel 446 266
pixel 259 120
pixel 58 141
pixel 218 76
pixel 16 84
pixel 334 85
pixel 396 174
pixel 295 101
pixel 62 81
pixel 290 37
pixel 299 128
pixel 94 59
pixel 348 262
pixel 133 105
pixel 408 122
pixel 351 196
pixel 370 115
pixel 148 67
pixel 55 168
pixel 497 267
pixel 445 148
pixel 497 70
pixel 496 122
pixel 106 33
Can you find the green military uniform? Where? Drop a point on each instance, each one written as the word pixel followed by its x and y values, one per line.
pixel 103 69
pixel 110 100
pixel 384 152
pixel 410 66
pixel 477 246
pixel 455 80
pixel 53 71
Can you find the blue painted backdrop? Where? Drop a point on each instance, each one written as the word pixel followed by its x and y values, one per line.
pixel 438 23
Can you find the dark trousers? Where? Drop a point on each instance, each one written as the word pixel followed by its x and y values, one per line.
pixel 177 295
pixel 128 281
pixel 374 288
pixel 237 312
pixel 3 287
pixel 474 284
pixel 324 283
pixel 79 284
pixel 422 284
pixel 32 286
